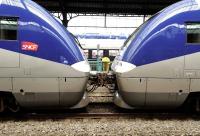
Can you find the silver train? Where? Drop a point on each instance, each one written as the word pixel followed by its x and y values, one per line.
pixel 41 65
pixel 158 66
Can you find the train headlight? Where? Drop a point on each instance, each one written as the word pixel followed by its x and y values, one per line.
pixel 82 66
pixel 122 67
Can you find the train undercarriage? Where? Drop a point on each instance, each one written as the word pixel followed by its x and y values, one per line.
pixel 8 102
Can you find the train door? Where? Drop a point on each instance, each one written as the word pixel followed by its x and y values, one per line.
pixel 9 44
pixel 166 92
pixel 9 51
pixel 192 63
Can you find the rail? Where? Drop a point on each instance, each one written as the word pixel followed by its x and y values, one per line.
pixel 99 110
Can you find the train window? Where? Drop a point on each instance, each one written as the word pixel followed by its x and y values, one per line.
pixel 193 32
pixel 8 28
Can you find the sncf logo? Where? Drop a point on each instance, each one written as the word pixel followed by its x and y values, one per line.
pixel 29 46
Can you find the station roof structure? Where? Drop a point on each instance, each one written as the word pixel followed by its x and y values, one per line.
pixel 138 7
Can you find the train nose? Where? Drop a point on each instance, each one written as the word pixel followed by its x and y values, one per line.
pixel 82 66
pixel 122 66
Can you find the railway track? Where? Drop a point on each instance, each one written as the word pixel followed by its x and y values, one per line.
pixel 97 111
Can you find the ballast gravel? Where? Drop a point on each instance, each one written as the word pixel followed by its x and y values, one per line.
pixel 115 126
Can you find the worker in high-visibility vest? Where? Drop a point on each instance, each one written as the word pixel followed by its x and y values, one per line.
pixel 106 63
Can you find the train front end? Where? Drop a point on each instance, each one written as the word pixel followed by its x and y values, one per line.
pixel 43 65
pixel 152 68
pixel 130 85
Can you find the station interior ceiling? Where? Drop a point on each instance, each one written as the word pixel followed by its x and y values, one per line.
pixel 133 7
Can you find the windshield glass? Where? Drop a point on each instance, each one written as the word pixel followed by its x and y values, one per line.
pixel 133 35
pixel 76 40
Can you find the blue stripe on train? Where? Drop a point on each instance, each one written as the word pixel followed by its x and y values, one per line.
pixel 38 26
pixel 164 36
